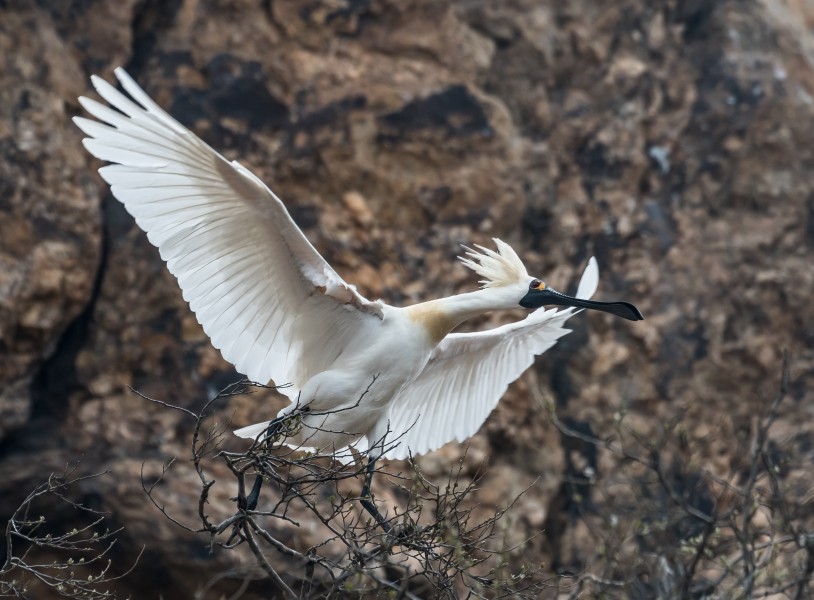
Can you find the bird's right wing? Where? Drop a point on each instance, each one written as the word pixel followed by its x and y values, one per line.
pixel 263 294
pixel 467 375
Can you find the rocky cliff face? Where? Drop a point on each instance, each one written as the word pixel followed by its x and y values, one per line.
pixel 671 139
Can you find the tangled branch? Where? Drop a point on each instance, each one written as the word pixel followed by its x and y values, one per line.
pixel 73 564
pixel 692 533
pixel 433 546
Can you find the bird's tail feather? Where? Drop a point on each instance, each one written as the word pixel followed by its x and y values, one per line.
pixel 252 431
pixel 343 455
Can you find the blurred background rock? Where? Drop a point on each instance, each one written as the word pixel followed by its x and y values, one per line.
pixel 672 139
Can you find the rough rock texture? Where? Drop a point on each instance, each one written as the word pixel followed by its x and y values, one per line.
pixel 672 139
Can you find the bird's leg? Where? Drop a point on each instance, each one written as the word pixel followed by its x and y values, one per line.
pixel 249 503
pixel 367 498
pixel 254 495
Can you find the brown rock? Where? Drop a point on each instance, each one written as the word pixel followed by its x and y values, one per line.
pixel 671 141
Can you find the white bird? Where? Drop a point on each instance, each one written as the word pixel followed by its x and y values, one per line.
pixel 366 371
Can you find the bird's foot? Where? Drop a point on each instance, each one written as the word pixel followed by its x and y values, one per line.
pixel 411 535
pixel 286 425
pixel 273 430
pixel 404 533
pixel 370 507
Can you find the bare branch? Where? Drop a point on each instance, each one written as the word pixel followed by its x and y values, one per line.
pixel 434 543
pixel 82 571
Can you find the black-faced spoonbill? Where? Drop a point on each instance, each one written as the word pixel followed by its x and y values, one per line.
pixel 278 311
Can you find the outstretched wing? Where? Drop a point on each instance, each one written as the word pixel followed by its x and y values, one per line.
pixel 269 302
pixel 467 375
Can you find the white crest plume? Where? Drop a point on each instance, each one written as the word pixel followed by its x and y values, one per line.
pixel 503 267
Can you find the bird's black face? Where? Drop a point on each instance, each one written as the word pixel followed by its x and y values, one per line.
pixel 540 294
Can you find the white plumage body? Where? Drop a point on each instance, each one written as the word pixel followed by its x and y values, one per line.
pixel 354 393
pixel 367 371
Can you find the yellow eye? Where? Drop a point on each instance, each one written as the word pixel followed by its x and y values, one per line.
pixel 537 285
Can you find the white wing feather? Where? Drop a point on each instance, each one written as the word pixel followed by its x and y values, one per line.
pixel 468 373
pixel 258 287
pixel 589 281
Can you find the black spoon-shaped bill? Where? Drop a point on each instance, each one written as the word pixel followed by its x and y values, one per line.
pixel 541 297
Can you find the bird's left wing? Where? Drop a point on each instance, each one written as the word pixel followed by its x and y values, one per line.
pixel 267 299
pixel 467 375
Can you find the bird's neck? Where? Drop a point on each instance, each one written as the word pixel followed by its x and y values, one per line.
pixel 440 317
